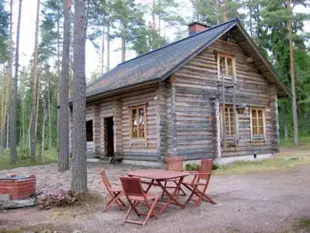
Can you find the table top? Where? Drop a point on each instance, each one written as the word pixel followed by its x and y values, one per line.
pixel 157 174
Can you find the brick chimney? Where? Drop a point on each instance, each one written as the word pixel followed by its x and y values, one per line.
pixel 196 27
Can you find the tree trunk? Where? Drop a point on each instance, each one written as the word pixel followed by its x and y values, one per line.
pixel 225 11
pixel 33 136
pixel 58 81
pixel 7 93
pixel 286 136
pixel 2 129
pixel 43 136
pixel 102 50
pixel 292 72
pixel 63 157
pixel 49 116
pixel 79 170
pixel 123 45
pixel 217 11
pixel 13 153
pixel 108 45
pixel 154 16
pixel 37 104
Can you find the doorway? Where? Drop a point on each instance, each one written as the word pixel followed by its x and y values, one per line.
pixel 109 136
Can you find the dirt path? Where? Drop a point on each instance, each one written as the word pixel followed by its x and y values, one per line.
pixel 258 202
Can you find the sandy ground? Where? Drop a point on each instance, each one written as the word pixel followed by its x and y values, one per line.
pixel 257 202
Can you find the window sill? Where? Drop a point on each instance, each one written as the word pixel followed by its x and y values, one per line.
pixel 137 139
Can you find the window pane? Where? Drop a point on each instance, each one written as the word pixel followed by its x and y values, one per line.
pixel 257 122
pixel 222 66
pixel 229 121
pixel 134 124
pixel 141 122
pixel 230 71
pixel 255 130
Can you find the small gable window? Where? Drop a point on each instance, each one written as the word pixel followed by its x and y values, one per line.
pixel 226 65
pixel 138 122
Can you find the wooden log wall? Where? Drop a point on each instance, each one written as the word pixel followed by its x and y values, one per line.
pixel 97 125
pixel 90 112
pixel 149 149
pixel 196 90
pixel 140 149
pixel 161 120
pixel 118 138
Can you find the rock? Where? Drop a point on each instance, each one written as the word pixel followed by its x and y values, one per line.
pixel 14 204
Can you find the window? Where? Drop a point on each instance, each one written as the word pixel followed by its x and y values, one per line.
pixel 138 122
pixel 258 124
pixel 230 123
pixel 226 66
pixel 89 131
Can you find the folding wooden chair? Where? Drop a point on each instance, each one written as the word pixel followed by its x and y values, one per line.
pixel 135 195
pixel 114 192
pixel 199 185
pixel 174 164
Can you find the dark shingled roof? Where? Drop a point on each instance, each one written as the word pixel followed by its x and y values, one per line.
pixel 161 63
pixel 157 63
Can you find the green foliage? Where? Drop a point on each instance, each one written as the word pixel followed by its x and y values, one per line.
pixel 4 34
pixel 304 224
pixel 192 167
pixel 195 167
pixel 50 156
pixel 214 11
pixel 243 167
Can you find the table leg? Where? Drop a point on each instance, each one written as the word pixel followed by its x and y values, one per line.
pixel 150 185
pixel 172 197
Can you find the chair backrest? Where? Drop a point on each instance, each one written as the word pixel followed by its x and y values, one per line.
pixel 105 179
pixel 175 163
pixel 132 186
pixel 206 166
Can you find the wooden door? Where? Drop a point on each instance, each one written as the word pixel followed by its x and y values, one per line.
pixel 109 136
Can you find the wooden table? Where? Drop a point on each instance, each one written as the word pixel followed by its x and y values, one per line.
pixel 158 177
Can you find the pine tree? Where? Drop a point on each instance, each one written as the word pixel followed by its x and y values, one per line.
pixel 79 169
pixel 13 104
pixel 63 158
pixel 35 90
pixel 5 20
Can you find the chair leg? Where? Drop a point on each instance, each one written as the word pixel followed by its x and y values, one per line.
pixel 151 210
pixel 190 196
pixel 115 198
pixel 163 194
pixel 205 197
pixel 208 199
pixel 180 189
pixel 121 202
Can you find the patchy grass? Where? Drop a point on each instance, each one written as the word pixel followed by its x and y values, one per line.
pixel 286 159
pixel 10 231
pixel 304 224
pixel 303 142
pixel 23 159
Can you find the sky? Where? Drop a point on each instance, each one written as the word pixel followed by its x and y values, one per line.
pixel 27 36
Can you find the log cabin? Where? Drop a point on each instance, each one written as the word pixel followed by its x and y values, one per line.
pixel 209 95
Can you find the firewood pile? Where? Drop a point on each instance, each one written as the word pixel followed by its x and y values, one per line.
pixel 63 198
